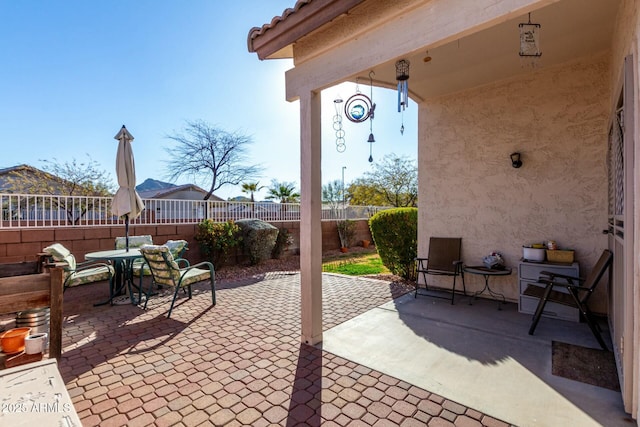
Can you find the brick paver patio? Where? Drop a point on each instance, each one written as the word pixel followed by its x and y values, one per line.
pixel 238 363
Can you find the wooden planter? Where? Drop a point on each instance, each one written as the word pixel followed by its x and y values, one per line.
pixel 35 289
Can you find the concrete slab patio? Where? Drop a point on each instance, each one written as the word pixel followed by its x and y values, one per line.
pixel 480 357
pixel 242 363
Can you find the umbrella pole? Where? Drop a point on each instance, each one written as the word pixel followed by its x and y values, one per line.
pixel 126 232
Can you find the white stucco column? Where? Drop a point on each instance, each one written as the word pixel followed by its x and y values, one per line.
pixel 310 218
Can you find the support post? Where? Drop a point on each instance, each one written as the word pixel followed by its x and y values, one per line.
pixel 310 218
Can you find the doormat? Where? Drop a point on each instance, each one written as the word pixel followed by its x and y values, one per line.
pixel 588 365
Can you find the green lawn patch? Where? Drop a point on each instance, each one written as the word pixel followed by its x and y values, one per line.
pixel 355 264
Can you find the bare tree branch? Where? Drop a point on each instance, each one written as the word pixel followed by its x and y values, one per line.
pixel 203 152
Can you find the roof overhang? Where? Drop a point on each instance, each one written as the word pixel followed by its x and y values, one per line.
pixel 467 47
pixel 275 40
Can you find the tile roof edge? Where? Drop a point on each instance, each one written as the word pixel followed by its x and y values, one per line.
pixel 258 31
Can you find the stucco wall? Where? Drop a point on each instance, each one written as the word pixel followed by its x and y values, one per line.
pixel 557 119
pixel 623 42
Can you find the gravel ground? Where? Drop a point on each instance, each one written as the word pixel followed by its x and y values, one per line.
pixel 291 263
pixel 237 272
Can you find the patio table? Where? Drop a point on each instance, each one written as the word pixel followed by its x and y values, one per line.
pixel 488 272
pixel 123 263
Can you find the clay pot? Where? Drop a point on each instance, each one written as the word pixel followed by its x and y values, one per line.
pixel 12 341
pixel 343 249
pixel 365 243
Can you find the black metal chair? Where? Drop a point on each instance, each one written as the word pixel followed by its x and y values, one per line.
pixel 578 293
pixel 443 260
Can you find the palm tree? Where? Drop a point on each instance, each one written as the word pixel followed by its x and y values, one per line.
pixel 250 188
pixel 284 191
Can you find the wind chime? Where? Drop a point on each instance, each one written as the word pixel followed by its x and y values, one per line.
pixel 402 76
pixel 360 107
pixel 337 126
pixel 529 43
pixel 371 139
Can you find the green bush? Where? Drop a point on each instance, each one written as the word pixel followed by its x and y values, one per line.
pixel 217 239
pixel 395 234
pixel 258 238
pixel 346 231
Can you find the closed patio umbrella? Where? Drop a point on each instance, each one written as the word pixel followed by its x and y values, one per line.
pixel 126 203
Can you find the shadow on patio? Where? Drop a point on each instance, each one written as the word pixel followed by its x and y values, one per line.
pixel 242 363
pixel 480 357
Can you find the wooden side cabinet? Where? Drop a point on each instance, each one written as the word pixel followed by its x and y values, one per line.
pixel 528 273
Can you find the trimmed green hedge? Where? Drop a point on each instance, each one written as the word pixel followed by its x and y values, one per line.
pixel 395 234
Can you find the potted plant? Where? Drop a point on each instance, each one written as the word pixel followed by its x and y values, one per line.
pixel 346 232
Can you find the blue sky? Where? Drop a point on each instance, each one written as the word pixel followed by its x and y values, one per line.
pixel 74 71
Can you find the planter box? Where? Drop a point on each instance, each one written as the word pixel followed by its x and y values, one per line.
pixel 19 292
pixel 20 269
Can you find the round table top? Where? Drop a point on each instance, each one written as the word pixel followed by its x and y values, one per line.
pixel 115 254
pixel 481 269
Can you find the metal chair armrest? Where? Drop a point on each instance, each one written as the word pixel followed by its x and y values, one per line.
pixel 565 285
pixel 184 260
pixel 551 276
pixel 420 267
pixel 200 264
pixel 459 265
pixel 85 265
pixel 183 271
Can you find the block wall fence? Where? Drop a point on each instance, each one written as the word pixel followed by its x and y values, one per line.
pixel 23 245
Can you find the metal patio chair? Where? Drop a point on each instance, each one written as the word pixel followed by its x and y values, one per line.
pixel 443 260
pixel 577 294
pixel 79 273
pixel 165 271
pixel 177 249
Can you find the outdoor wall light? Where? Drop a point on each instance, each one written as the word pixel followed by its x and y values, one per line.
pixel 515 160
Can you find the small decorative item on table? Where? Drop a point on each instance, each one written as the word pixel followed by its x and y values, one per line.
pixel 494 261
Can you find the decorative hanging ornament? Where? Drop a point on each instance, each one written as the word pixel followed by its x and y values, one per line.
pixel 530 42
pixel 402 76
pixel 371 138
pixel 358 107
pixel 337 126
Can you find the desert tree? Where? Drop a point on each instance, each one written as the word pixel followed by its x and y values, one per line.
pixel 333 195
pixel 209 154
pixel 392 182
pixel 63 178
